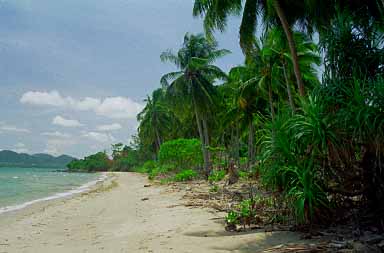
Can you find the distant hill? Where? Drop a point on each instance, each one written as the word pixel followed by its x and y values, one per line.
pixel 12 159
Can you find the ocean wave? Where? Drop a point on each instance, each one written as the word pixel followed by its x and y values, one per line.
pixel 80 189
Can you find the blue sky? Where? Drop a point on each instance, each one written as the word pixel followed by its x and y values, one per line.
pixel 73 73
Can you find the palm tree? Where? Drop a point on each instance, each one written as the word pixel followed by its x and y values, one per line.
pixel 308 57
pixel 247 102
pixel 192 86
pixel 309 15
pixel 155 120
pixel 217 11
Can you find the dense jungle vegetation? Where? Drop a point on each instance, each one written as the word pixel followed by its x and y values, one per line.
pixel 304 114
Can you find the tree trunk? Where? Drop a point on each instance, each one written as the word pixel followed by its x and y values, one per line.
pixel 271 101
pixel 158 140
pixel 250 145
pixel 288 88
pixel 237 149
pixel 292 46
pixel 206 140
pixel 203 147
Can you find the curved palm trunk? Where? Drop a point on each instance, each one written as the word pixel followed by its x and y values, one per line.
pixel 237 145
pixel 202 139
pixel 271 101
pixel 158 139
pixel 292 46
pixel 251 152
pixel 288 88
pixel 206 141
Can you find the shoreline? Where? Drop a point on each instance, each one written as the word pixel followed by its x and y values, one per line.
pixel 121 215
pixel 55 196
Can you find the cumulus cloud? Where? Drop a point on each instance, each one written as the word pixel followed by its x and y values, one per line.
pixel 111 107
pixel 56 134
pixel 9 128
pixel 119 108
pixel 111 127
pixel 61 121
pixel 43 98
pixel 99 137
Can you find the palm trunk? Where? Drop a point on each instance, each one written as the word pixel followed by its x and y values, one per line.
pixel 250 145
pixel 271 101
pixel 292 46
pixel 237 145
pixel 158 140
pixel 288 89
pixel 203 147
pixel 206 140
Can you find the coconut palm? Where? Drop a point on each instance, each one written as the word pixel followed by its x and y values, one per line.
pixel 308 58
pixel 155 120
pixel 217 11
pixel 192 86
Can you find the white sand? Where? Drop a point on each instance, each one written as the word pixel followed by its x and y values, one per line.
pixel 118 220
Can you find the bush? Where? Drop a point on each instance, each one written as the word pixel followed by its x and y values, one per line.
pixel 148 166
pixel 92 163
pixel 158 171
pixel 185 175
pixel 216 176
pixel 181 153
pixel 244 174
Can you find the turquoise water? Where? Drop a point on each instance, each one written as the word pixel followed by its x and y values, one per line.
pixel 22 186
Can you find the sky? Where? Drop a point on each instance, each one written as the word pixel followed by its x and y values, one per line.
pixel 74 73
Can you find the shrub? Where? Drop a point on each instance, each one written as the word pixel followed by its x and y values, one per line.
pixel 148 166
pixel 181 153
pixel 185 175
pixel 232 217
pixel 92 163
pixel 244 174
pixel 159 171
pixel 214 188
pixel 216 176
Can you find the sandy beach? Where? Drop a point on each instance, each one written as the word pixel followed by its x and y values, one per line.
pixel 121 215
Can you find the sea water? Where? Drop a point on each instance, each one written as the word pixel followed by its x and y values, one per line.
pixel 20 187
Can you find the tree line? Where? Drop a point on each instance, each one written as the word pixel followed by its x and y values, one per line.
pixel 304 112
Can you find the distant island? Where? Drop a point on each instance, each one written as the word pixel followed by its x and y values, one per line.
pixel 12 159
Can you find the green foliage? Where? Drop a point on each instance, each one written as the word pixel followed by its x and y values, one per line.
pixel 125 158
pixel 159 171
pixel 92 163
pixel 232 217
pixel 181 153
pixel 244 175
pixel 148 166
pixel 309 148
pixel 216 176
pixel 214 188
pixel 185 175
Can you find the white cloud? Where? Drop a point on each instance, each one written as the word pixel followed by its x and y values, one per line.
pixel 119 108
pixel 58 146
pixel 43 98
pixel 56 134
pixel 100 137
pixel 111 107
pixel 111 127
pixel 86 104
pixel 61 121
pixel 8 128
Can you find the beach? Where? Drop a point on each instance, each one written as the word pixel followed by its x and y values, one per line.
pixel 126 213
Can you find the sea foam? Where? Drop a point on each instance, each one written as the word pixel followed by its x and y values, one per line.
pixel 82 188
